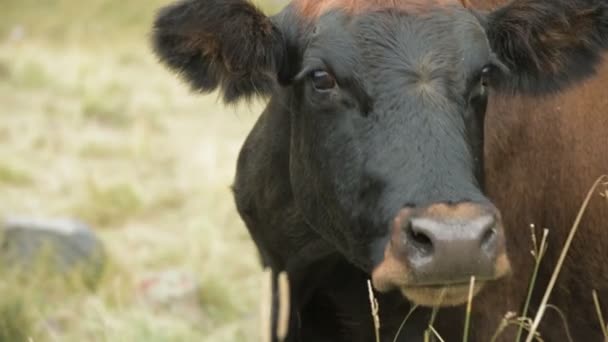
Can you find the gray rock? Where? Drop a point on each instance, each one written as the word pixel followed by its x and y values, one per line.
pixel 65 247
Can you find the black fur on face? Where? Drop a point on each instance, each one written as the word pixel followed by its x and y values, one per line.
pixel 402 126
pixel 386 107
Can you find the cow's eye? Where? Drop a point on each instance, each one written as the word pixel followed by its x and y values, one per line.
pixel 323 80
pixel 485 76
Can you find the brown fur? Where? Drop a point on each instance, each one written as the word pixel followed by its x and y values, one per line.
pixel 466 3
pixel 392 267
pixel 315 8
pixel 542 155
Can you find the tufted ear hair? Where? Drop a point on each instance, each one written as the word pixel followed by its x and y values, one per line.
pixel 548 44
pixel 225 44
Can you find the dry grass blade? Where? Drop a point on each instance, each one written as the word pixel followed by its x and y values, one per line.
pixel 405 319
pixel 562 258
pixel 427 335
pixel 265 309
pixel 284 307
pixel 427 332
pixel 504 323
pixel 510 319
pixel 538 252
pixel 436 334
pixel 534 243
pixel 600 316
pixel 604 193
pixel 564 320
pixel 375 308
pixel 467 322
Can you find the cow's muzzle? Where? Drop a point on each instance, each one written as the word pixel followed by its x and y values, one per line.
pixel 433 252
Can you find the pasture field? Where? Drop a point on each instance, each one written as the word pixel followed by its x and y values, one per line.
pixel 92 127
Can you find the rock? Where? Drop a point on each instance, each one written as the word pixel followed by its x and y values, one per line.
pixel 66 247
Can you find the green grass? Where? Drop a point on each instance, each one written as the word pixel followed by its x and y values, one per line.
pixel 11 175
pixel 16 320
pixel 92 126
pixel 106 110
pixel 34 299
pixel 31 75
pixel 104 150
pixel 108 206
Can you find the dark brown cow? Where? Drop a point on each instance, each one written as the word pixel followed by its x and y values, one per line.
pixel 369 160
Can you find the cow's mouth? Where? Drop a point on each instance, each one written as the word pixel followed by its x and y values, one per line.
pixel 393 274
pixel 441 295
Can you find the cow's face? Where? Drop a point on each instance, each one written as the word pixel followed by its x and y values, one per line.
pixel 387 139
pixel 386 102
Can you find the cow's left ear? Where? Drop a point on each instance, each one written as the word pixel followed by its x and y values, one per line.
pixel 225 44
pixel 548 44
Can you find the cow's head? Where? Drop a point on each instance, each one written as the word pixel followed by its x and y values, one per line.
pixel 386 100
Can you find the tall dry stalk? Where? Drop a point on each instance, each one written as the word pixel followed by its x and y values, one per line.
pixel 436 334
pixel 405 319
pixel 467 320
pixel 284 307
pixel 543 305
pixel 375 310
pixel 430 331
pixel 265 307
pixel 538 251
pixel 564 320
pixel 600 316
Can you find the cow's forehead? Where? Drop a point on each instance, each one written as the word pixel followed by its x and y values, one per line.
pixel 315 8
pixel 431 56
pixel 453 36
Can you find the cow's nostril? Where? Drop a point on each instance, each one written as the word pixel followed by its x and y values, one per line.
pixel 488 237
pixel 419 239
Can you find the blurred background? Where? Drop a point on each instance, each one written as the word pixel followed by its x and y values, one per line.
pixel 93 129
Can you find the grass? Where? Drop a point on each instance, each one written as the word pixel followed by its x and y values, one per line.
pixel 92 126
pixel 31 75
pixel 600 315
pixel 538 252
pixel 374 308
pixel 34 300
pixel 16 319
pixel 11 175
pixel 562 257
pixel 467 321
pixel 108 206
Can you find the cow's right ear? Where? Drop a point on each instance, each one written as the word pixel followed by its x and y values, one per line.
pixel 228 44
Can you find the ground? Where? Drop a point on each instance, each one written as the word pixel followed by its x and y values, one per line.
pixel 92 127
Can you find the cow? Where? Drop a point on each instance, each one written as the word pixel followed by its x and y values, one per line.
pixel 410 142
